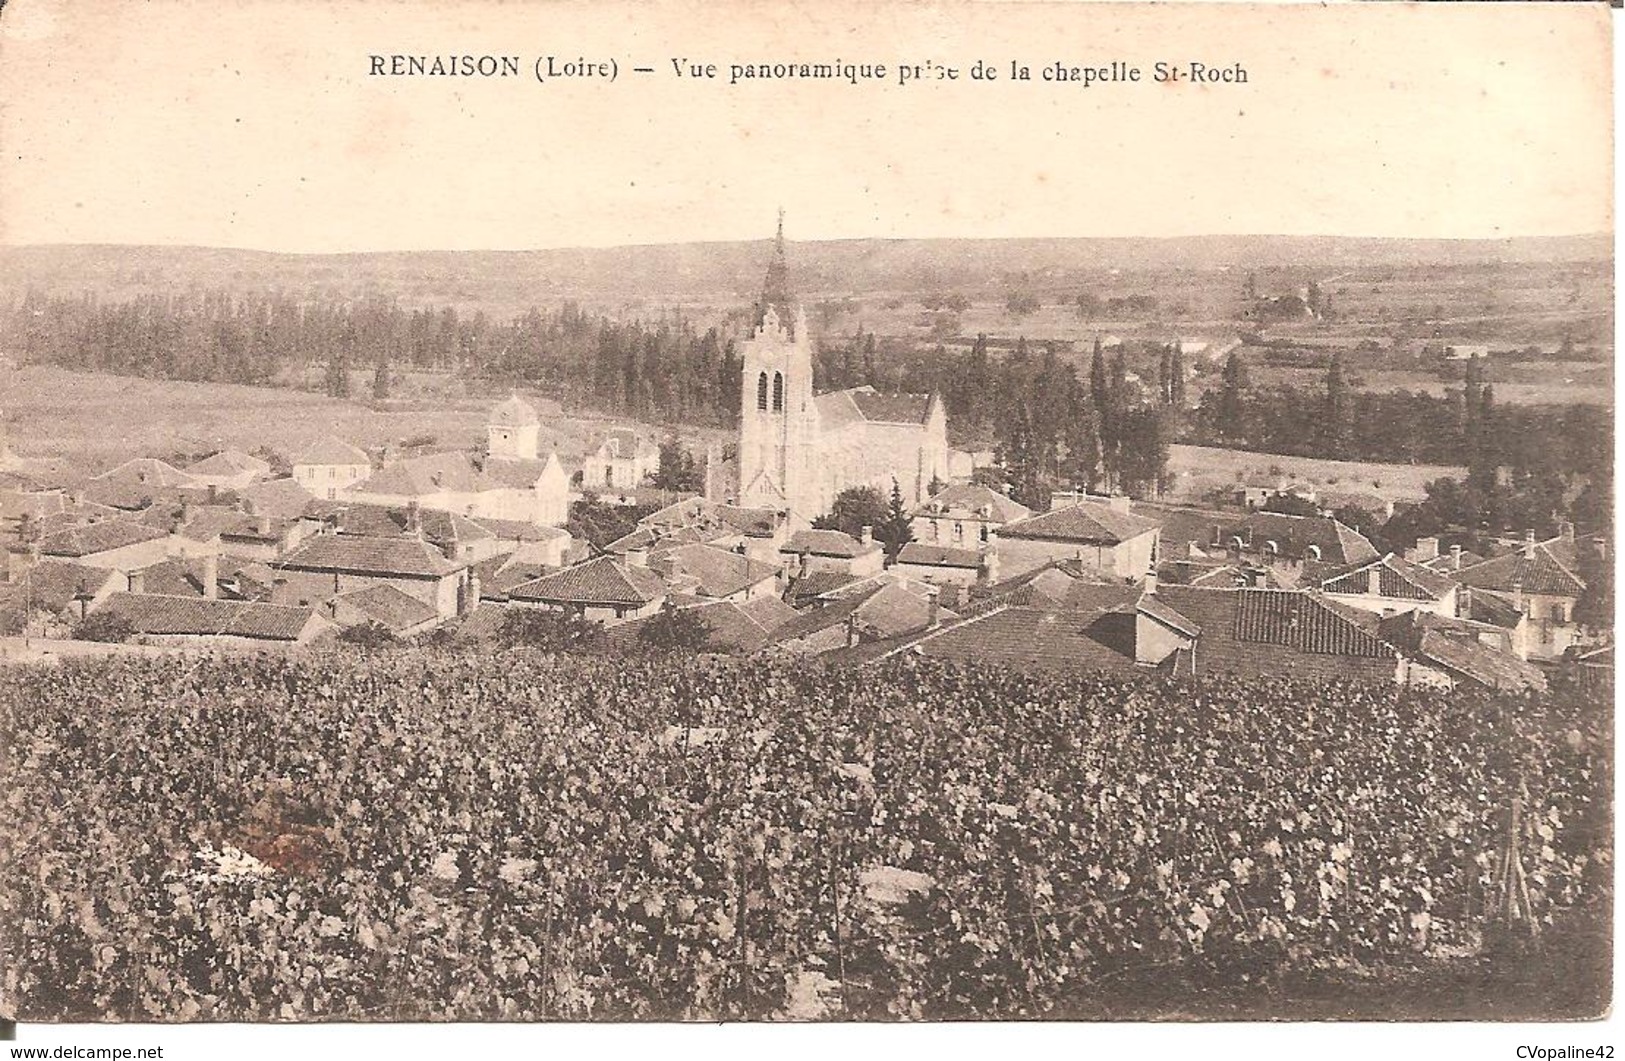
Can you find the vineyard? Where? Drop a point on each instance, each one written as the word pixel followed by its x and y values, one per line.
pixel 528 837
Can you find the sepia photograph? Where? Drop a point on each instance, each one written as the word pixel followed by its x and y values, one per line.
pixel 555 518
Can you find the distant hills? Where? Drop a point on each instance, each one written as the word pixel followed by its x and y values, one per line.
pixel 730 272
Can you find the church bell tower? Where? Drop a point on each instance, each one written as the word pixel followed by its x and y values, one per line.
pixel 778 422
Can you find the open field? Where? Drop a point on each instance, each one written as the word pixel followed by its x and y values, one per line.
pixel 1201 469
pixel 97 420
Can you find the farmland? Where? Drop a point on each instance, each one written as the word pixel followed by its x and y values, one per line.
pixel 1199 470
pixel 97 420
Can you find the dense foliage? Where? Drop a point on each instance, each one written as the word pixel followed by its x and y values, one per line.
pixel 518 836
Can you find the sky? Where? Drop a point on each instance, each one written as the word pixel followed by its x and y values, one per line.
pixel 255 123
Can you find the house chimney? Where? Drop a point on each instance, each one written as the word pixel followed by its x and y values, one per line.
pixel 414 519
pixel 1426 549
pixel 248 506
pixel 931 608
pixel 1565 530
pixel 867 536
pixel 211 576
pixel 637 557
pixel 473 589
pixel 1529 544
pixel 1118 502
pixel 1455 558
pixel 138 582
pixel 851 628
pixel 1151 579
pixel 1373 580
pixel 214 493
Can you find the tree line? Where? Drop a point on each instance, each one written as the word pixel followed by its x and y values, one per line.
pixel 666 370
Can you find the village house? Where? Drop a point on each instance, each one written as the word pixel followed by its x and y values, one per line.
pixel 49 597
pixel 135 485
pixel 165 620
pixel 623 461
pixel 945 565
pixel 1535 583
pixel 757 532
pixel 382 605
pixel 457 537
pixel 1105 535
pixel 509 482
pixel 118 544
pixel 713 573
pixel 1391 584
pixel 605 590
pixel 228 469
pixel 330 465
pixel 330 564
pixel 814 551
pixel 1286 543
pixel 964 516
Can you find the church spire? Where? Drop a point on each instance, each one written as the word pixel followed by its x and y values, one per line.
pixel 776 286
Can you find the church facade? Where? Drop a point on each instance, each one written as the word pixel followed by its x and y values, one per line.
pixel 797 449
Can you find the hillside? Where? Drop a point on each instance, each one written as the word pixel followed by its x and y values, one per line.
pixel 729 273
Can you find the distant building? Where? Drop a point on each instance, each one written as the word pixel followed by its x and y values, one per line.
pixel 604 590
pixel 1283 541
pixel 964 516
pixel 330 564
pixel 623 461
pixel 161 619
pixel 1534 582
pixel 1390 585
pixel 713 573
pixel 330 465
pixel 228 469
pixel 1107 536
pixel 116 544
pixel 944 564
pixel 813 551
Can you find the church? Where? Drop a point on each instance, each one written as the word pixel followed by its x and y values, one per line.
pixel 797 449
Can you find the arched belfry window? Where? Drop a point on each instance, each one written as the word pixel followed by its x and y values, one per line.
pixel 778 392
pixel 761 391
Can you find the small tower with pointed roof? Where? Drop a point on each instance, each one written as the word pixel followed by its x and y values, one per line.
pixel 513 431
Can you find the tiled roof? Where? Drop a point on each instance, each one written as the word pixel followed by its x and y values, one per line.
pixel 1446 563
pixel 1280 624
pixel 1488 607
pixel 601 581
pixel 513 473
pixel 98 538
pixel 816 619
pixel 146 471
pixel 54 584
pixel 1539 572
pixel 366 520
pixel 728 626
pixel 335 451
pixel 817 584
pixel 426 475
pixel 15 504
pixel 717 572
pixel 1163 613
pixel 1037 639
pixel 229 462
pixel 891 408
pixel 1454 647
pixel 279 498
pixel 837 410
pixel 394 609
pixel 939 556
pixel 967 500
pixel 403 557
pixel 1397 578
pixel 519 530
pixel 156 614
pixel 1054 585
pixel 1088 522
pixel 827 543
pixel 751 522
pixel 1293 536
pixel 770 613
